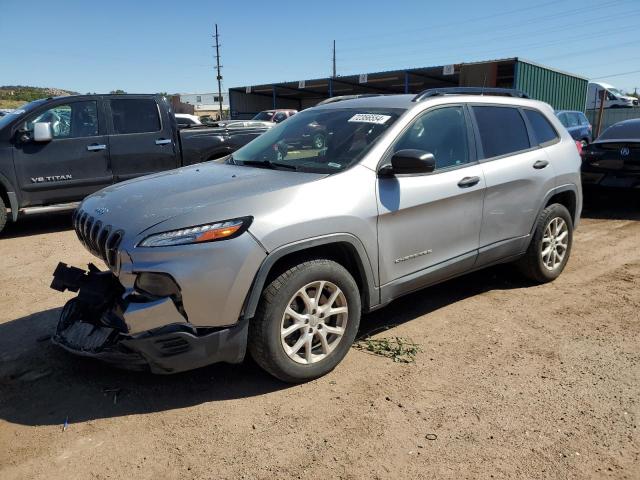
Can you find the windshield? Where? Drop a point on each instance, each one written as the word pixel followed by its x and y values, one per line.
pixel 622 131
pixel 322 140
pixel 617 92
pixel 264 116
pixel 11 116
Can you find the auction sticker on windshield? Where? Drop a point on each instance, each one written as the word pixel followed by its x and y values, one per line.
pixel 370 118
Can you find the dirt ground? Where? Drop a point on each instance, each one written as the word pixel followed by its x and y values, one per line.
pixel 513 381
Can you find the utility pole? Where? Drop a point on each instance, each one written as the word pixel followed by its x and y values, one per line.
pixel 603 93
pixel 218 67
pixel 334 59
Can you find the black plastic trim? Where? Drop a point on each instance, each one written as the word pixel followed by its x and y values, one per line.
pixel 372 292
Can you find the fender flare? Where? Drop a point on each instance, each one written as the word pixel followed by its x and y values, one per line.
pixel 371 292
pixel 11 194
pixel 569 187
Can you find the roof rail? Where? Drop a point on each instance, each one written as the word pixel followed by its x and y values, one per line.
pixel 349 97
pixel 436 92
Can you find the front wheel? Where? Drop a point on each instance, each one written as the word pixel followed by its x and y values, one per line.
pixel 3 215
pixel 307 319
pixel 550 247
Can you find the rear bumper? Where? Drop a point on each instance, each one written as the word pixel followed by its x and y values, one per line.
pixel 94 325
pixel 618 179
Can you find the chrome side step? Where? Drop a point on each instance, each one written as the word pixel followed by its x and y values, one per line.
pixel 60 207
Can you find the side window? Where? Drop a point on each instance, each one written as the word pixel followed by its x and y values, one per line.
pixel 135 115
pixel 502 130
pixel 574 119
pixel 542 129
pixel 583 119
pixel 279 117
pixel 73 120
pixel 563 119
pixel 442 132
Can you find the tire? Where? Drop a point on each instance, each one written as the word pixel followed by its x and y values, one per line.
pixel 265 343
pixel 542 268
pixel 3 215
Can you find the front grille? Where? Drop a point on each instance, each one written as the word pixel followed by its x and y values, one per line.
pixel 101 240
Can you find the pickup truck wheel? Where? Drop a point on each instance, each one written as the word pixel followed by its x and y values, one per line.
pixel 3 215
pixel 306 321
pixel 550 246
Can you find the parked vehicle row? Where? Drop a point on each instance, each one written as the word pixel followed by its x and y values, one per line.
pixel 56 151
pixel 277 253
pixel 613 159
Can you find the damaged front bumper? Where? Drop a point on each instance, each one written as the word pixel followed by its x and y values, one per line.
pixel 95 324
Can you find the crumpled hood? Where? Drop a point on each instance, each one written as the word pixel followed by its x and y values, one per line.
pixel 139 204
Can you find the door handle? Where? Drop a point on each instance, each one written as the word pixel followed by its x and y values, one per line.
pixel 468 182
pixel 95 147
pixel 163 141
pixel 540 164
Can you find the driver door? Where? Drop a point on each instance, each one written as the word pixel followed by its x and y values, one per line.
pixel 429 224
pixel 73 164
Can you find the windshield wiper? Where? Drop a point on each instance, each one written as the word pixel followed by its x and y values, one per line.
pixel 268 164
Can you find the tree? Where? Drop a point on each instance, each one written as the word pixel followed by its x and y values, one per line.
pixel 117 92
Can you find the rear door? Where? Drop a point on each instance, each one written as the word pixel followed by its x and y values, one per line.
pixel 141 139
pixel 518 173
pixel 74 164
pixel 430 223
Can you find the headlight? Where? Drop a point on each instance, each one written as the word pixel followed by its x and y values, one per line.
pixel 209 232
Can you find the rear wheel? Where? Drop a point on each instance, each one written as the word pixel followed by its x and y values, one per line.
pixel 307 319
pixel 550 247
pixel 3 215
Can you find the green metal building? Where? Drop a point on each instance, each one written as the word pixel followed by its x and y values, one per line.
pixel 563 91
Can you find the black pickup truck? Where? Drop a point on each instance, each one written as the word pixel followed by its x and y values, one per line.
pixel 56 151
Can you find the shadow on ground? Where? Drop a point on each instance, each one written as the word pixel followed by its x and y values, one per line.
pixel 37 224
pixel 603 204
pixel 42 385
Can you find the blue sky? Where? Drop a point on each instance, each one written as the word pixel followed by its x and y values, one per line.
pixel 166 45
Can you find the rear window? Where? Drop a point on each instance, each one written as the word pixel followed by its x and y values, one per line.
pixel 266 116
pixel 502 130
pixel 542 129
pixel 622 131
pixel 135 115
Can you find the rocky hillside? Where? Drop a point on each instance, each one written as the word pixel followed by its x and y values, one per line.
pixel 23 93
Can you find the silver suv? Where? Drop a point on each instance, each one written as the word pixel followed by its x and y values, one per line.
pixel 280 248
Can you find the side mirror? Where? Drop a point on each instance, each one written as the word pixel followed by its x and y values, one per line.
pixel 410 161
pixel 42 132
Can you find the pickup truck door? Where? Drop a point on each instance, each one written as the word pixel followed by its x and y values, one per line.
pixel 74 164
pixel 141 137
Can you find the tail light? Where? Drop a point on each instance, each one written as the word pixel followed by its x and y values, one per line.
pixel 579 146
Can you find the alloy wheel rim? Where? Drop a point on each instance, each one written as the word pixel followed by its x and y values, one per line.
pixel 555 242
pixel 314 322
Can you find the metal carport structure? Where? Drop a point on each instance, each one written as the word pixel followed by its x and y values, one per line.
pixel 562 90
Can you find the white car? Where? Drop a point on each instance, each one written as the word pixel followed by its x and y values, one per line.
pixel 186 120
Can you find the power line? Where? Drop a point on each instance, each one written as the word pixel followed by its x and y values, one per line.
pixel 470 20
pixel 529 46
pixel 617 74
pixel 506 26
